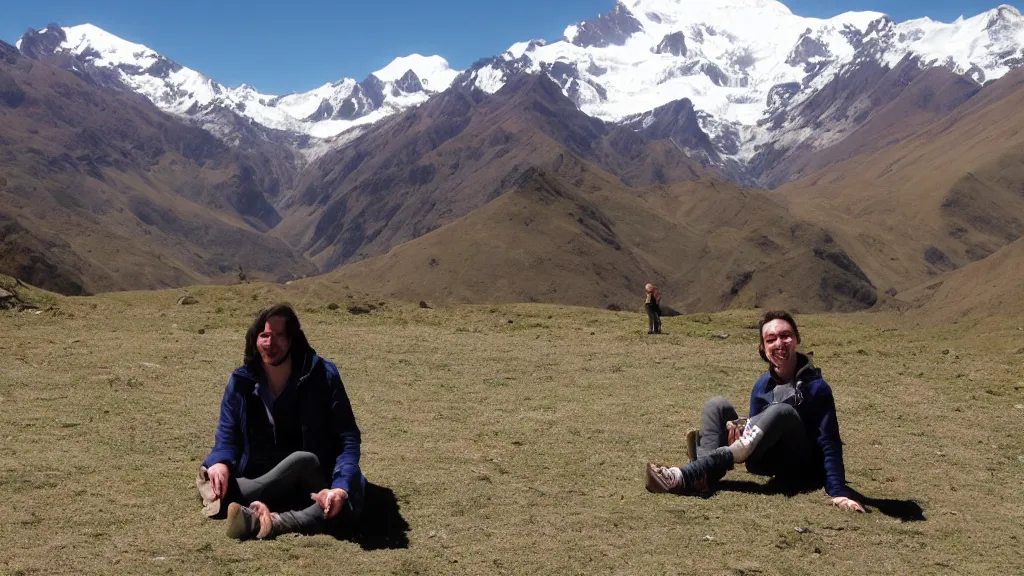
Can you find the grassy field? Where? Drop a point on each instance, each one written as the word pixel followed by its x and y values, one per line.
pixel 512 436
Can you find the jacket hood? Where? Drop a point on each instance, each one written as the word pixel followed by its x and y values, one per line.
pixel 805 370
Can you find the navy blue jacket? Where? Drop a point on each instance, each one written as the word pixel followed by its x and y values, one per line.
pixel 817 409
pixel 246 437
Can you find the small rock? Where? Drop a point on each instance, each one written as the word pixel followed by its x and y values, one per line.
pixel 723 335
pixel 187 301
pixel 801 530
pixel 945 352
pixel 333 306
pixel 1019 406
pixel 708 538
pixel 817 550
pixel 510 321
pixel 150 365
pixel 74 341
pixel 202 330
pixel 424 305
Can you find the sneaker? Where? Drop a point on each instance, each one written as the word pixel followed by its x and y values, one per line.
pixel 253 521
pixel 661 479
pixel 692 439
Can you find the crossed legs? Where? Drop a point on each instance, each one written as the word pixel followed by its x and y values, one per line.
pixel 773 443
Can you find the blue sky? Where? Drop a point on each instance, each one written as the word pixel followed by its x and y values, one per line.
pixel 295 45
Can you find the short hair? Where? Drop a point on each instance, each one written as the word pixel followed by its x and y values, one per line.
pixel 299 344
pixel 768 317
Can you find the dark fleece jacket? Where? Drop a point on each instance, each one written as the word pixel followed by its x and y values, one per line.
pixel 246 439
pixel 817 409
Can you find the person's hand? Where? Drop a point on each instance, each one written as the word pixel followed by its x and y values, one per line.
pixel 734 432
pixel 844 503
pixel 219 475
pixel 331 500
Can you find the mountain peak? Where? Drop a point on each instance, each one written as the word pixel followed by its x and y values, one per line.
pixel 671 10
pixel 433 71
pixel 42 43
pixel 105 48
pixel 613 28
pixel 1004 18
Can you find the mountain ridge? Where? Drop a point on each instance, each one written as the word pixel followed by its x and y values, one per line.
pixel 889 176
pixel 740 63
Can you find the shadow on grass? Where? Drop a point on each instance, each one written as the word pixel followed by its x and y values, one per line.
pixel 381 526
pixel 905 510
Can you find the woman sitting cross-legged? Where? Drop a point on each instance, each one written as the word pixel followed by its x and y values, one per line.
pixel 286 454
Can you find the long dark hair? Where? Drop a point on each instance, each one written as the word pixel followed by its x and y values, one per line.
pixel 299 345
pixel 768 317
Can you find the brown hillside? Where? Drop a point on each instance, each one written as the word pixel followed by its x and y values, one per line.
pixel 935 202
pixel 580 237
pixel 989 287
pixel 101 191
pixel 430 165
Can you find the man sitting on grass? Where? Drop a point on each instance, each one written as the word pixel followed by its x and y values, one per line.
pixel 791 434
pixel 286 452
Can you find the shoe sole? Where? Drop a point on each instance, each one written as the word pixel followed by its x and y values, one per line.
pixel 654 483
pixel 692 439
pixel 236 522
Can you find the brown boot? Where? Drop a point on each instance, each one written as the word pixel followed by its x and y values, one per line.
pixel 662 479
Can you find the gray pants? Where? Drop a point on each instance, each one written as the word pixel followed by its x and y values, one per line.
pixel 783 449
pixel 285 489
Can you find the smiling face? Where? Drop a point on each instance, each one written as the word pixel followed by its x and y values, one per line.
pixel 779 340
pixel 273 342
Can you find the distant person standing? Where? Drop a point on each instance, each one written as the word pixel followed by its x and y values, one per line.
pixel 653 307
pixel 286 451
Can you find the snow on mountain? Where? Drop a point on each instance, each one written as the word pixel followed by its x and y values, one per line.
pixel 322 112
pixel 744 65
pixel 738 61
pixel 984 47
pixel 433 71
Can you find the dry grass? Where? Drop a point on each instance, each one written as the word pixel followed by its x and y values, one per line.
pixel 513 437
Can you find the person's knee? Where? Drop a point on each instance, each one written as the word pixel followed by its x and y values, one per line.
pixel 309 459
pixel 717 405
pixel 304 461
pixel 781 415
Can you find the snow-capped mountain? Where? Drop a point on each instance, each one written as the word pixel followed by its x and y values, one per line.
pixel 322 112
pixel 745 68
pixel 741 62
